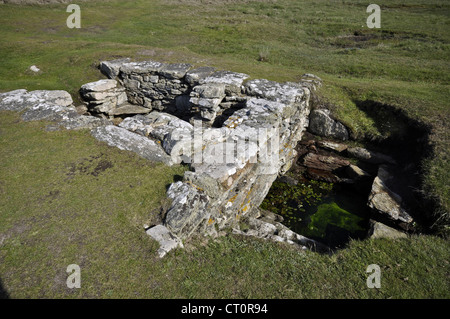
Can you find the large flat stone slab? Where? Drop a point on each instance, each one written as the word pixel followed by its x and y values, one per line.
pixel 175 71
pixel 99 86
pixel 194 76
pixel 322 124
pixel 142 67
pixel 286 93
pixel 112 68
pixel 19 100
pixel 127 108
pixel 386 203
pixel 126 140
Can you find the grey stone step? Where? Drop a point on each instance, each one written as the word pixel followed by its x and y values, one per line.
pixel 128 108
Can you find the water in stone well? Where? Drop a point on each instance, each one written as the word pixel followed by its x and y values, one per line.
pixel 331 214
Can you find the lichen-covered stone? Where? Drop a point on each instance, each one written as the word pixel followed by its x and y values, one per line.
pixel 286 93
pixel 142 67
pixel 167 241
pixel 386 203
pixel 322 124
pixel 99 86
pixel 112 68
pixel 127 108
pixel 126 140
pixel 19 100
pixel 193 77
pixel 175 71
pixel 188 209
pixel 54 106
pixel 370 156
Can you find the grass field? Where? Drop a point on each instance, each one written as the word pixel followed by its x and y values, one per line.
pixel 87 205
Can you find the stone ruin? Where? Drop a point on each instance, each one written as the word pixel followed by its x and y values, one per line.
pixel 236 134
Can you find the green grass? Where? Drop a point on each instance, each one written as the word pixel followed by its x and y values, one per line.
pixel 66 198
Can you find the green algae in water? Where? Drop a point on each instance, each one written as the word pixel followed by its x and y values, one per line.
pixel 290 201
pixel 331 214
pixel 323 211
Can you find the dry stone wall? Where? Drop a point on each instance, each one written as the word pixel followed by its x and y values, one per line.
pixel 237 137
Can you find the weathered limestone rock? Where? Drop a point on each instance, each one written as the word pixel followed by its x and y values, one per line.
pixel 356 172
pixel 232 80
pixel 380 230
pixel 126 140
pixel 104 96
pixel 188 209
pixel 99 86
pixel 112 68
pixel 333 146
pixel 322 124
pixel 370 156
pixel 325 163
pixel 175 71
pixel 385 203
pixel 19 100
pixel 277 232
pixel 173 134
pixel 286 93
pixel 205 100
pixel 166 239
pixel 193 77
pixel 55 106
pixel 127 108
pixel 142 67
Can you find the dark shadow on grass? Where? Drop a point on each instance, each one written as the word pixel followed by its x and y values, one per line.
pixel 3 293
pixel 408 141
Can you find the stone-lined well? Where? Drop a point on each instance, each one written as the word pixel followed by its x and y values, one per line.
pixel 236 136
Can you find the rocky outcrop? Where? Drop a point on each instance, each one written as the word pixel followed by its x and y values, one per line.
pixel 370 156
pixel 53 106
pixel 386 204
pixel 167 241
pixel 126 140
pixel 273 230
pixel 323 162
pixel 374 175
pixel 105 97
pixel 322 124
pixel 380 230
